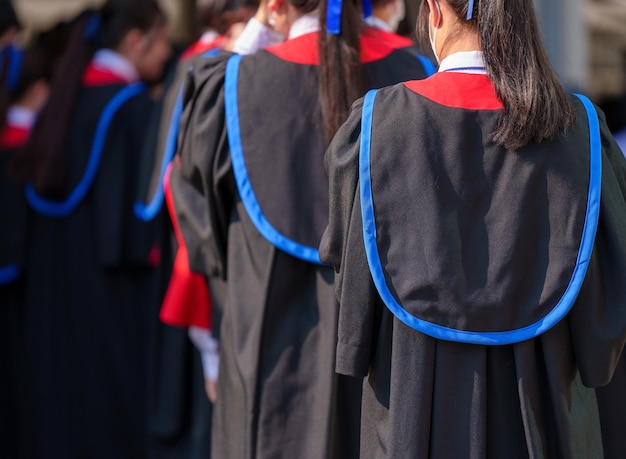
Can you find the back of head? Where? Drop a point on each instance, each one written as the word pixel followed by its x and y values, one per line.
pixel 536 107
pixel 121 16
pixel 216 14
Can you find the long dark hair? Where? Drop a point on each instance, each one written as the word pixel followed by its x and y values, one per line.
pixel 536 107
pixel 8 18
pixel 43 160
pixel 341 73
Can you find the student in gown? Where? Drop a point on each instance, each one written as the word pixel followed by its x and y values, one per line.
pixel 179 413
pixel 90 262
pixel 25 75
pixel 477 232
pixel 251 201
pixel 384 21
pixel 386 14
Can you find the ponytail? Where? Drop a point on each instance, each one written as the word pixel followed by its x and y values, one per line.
pixel 536 107
pixel 43 159
pixel 341 74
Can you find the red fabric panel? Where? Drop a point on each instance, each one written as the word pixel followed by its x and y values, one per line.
pixel 375 45
pixel 187 301
pixel 95 76
pixel 200 47
pixel 458 90
pixel 13 137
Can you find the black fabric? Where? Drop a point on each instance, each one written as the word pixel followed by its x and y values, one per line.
pixel 295 200
pixel 435 399
pixel 178 410
pixel 278 395
pixel 87 304
pixel 13 392
pixel 502 254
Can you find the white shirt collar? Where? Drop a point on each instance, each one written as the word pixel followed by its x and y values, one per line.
pixel 378 23
pixel 308 23
pixel 209 36
pixel 21 117
pixel 107 59
pixel 464 62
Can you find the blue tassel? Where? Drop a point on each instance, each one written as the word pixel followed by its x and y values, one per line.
pixel 333 14
pixel 93 28
pixel 13 57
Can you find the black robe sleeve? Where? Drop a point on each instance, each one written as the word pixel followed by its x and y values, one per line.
pixel 202 185
pixel 342 247
pixel 598 318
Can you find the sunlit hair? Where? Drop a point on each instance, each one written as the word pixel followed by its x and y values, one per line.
pixel 536 107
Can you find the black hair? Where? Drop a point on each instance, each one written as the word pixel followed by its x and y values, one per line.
pixel 43 160
pixel 536 107
pixel 8 18
pixel 215 14
pixel 341 73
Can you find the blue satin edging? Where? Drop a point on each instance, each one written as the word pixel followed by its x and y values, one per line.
pixel 484 338
pixel 147 212
pixel 248 198
pixel 61 209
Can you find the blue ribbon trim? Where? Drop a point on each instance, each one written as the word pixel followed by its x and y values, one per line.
pixel 61 209
pixel 429 67
pixel 9 274
pixel 147 212
pixel 484 338
pixel 244 186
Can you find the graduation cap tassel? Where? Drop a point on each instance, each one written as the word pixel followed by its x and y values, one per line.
pixel 333 14
pixel 13 56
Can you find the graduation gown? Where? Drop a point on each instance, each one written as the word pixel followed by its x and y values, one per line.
pixel 179 412
pixel 12 230
pixel 498 336
pixel 89 274
pixel 278 394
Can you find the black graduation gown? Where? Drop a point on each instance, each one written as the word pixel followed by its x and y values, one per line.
pixel 89 275
pixel 179 412
pixel 277 389
pixel 472 237
pixel 12 229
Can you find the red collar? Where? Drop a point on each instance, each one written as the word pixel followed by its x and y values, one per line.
pixel 458 90
pixel 200 47
pixel 13 137
pixel 375 45
pixel 96 76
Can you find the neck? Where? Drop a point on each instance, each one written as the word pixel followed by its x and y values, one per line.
pixel 466 42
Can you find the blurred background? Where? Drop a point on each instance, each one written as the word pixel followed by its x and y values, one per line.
pixel 586 39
